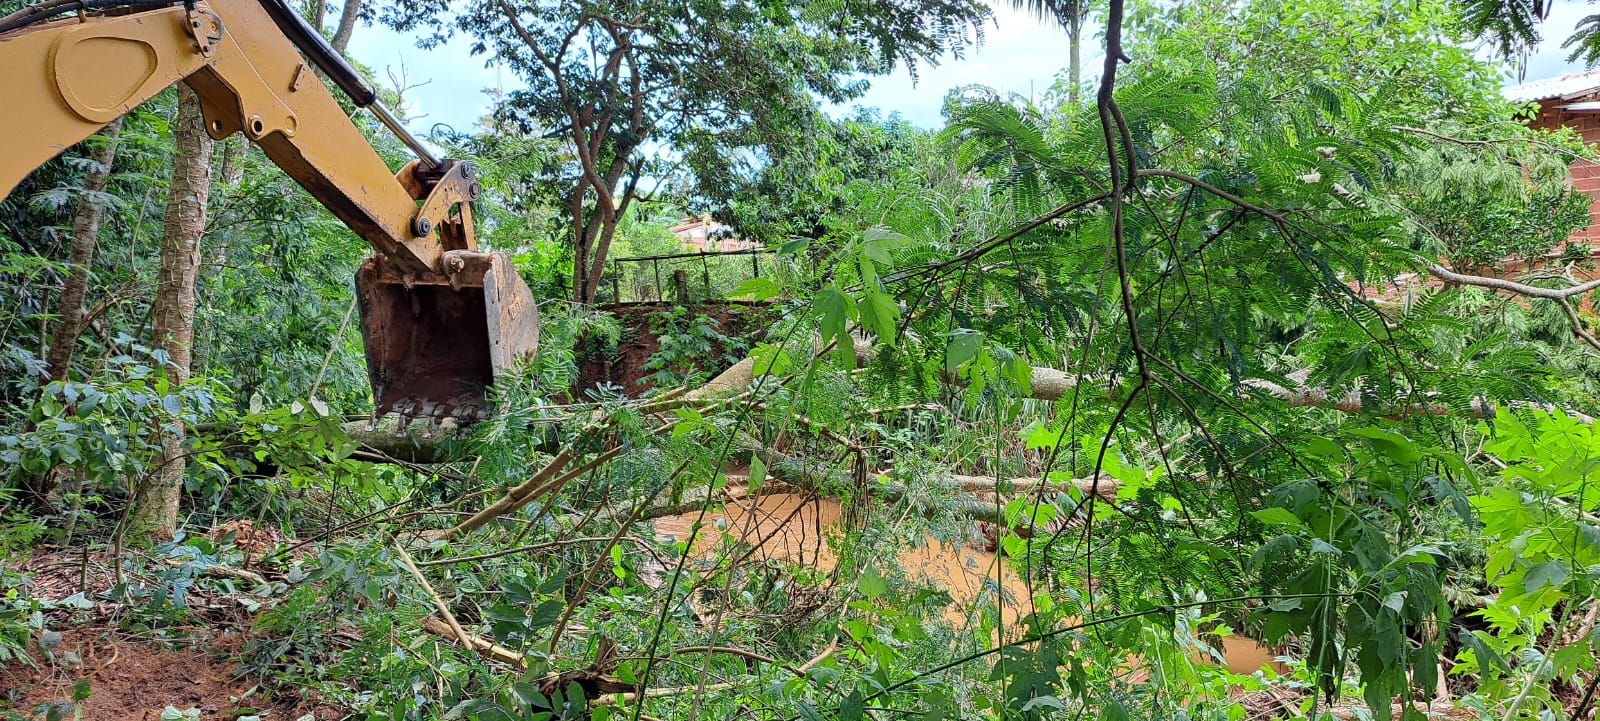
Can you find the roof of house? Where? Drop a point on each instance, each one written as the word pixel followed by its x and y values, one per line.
pixel 690 224
pixel 1565 87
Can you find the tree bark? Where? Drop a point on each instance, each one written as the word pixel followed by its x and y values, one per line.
pixel 319 14
pixel 231 154
pixel 85 240
pixel 347 25
pixel 597 261
pixel 155 510
pixel 1075 55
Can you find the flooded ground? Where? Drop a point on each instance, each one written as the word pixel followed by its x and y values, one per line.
pixel 791 528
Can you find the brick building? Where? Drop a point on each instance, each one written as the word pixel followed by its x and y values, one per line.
pixel 1567 101
pixel 1570 101
pixel 704 235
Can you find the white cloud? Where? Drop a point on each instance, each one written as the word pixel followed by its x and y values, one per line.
pixel 1020 55
pixel 1550 59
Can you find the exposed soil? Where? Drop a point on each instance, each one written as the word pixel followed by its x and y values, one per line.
pixel 640 332
pixel 135 679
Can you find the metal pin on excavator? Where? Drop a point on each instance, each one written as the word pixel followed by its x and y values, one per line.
pixel 439 319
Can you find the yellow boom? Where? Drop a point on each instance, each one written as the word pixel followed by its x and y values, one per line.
pixel 439 319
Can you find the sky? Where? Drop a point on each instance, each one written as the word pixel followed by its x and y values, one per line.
pixel 1551 60
pixel 1020 55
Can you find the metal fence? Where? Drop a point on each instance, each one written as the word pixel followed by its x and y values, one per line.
pixel 704 276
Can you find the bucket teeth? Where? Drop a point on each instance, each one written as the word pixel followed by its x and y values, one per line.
pixel 436 342
pixel 419 408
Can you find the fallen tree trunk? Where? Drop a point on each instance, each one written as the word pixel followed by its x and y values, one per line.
pixel 488 649
pixel 1050 384
pixel 1309 397
pixel 406 443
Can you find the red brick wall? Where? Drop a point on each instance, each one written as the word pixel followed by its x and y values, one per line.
pixel 1585 177
pixel 1585 174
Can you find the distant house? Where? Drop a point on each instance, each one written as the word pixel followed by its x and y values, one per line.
pixel 704 235
pixel 1571 101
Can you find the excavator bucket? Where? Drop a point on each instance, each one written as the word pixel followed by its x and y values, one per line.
pixel 435 342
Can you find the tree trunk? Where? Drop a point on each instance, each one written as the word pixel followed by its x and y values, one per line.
pixel 227 166
pixel 347 25
pixel 230 160
pixel 85 239
pixel 1075 56
pixel 319 14
pixel 155 510
pixel 597 259
pixel 588 226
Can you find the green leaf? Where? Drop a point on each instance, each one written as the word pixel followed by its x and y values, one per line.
pixel 808 712
pixel 770 360
pixel 877 243
pixel 964 346
pixel 881 314
pixel 1486 656
pixel 546 614
pixel 1039 435
pixel 758 289
pixel 758 473
pixel 1277 517
pixel 871 583
pixel 689 421
pixel 851 706
pixel 1396 447
pixel 617 568
pixel 938 702
pixel 835 309
pixel 1571 659
pixel 1549 573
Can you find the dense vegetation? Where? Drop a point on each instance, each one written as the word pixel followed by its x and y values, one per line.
pixel 1268 330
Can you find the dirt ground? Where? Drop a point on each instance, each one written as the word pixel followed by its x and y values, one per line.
pixel 135 679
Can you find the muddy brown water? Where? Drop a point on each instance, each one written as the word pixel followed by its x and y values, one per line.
pixel 791 528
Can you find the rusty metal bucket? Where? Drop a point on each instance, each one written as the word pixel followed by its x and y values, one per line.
pixel 435 342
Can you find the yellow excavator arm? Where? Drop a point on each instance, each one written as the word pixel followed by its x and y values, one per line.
pixel 439 319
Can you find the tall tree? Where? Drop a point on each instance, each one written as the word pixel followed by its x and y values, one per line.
pixel 155 510
pixel 712 81
pixel 230 160
pixel 85 239
pixel 347 25
pixel 804 183
pixel 1070 14
pixel 318 13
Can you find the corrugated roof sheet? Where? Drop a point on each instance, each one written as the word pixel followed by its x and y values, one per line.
pixel 1566 86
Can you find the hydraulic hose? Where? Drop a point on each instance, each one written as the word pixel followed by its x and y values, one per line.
pixel 320 53
pixel 42 12
pixel 332 64
pixel 300 33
